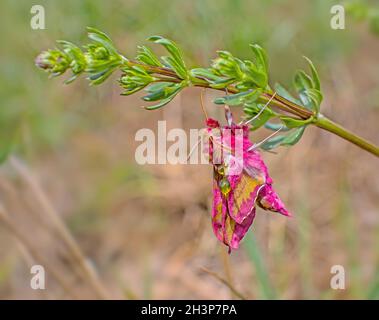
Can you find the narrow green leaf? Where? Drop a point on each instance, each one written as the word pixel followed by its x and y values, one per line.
pixel 256 75
pixel 205 74
pixel 293 137
pixel 102 38
pixel 315 76
pixel 178 68
pixel 275 126
pixel 272 143
pixel 100 77
pixel 303 81
pixel 316 97
pixel 172 48
pixel 239 98
pixel 131 90
pixel 162 92
pixel 221 84
pixel 157 86
pixel 168 98
pixel 261 120
pixel 146 55
pixel 294 123
pixel 260 56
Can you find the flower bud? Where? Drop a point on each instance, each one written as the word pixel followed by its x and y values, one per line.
pixel 53 61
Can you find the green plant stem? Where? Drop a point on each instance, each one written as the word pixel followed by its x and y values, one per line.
pixel 329 125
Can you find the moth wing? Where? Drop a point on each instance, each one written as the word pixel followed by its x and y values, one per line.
pixel 226 229
pixel 234 232
pixel 219 211
pixel 243 195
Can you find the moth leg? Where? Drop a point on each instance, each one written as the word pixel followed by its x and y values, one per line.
pixel 260 111
pixel 256 145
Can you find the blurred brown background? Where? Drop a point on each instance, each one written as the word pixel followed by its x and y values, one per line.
pixel 73 199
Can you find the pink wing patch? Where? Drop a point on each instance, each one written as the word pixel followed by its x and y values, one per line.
pixel 235 232
pixel 269 200
pixel 219 212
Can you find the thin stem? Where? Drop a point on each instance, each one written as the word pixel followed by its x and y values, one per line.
pixel 303 112
pixel 329 125
pixel 224 281
pixel 153 69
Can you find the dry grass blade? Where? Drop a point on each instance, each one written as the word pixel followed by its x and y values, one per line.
pixel 24 242
pixel 87 270
pixel 225 282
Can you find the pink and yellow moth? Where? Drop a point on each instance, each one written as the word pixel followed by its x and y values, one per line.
pixel 241 181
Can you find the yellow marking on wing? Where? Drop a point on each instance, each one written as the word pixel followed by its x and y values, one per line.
pixel 230 225
pixel 218 216
pixel 242 192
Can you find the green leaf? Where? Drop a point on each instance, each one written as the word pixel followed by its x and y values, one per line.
pixel 221 84
pixel 161 92
pixel 160 104
pixel 131 90
pixel 311 99
pixel 239 98
pixel 205 74
pixel 227 65
pixel 293 137
pixel 275 126
pixel 259 112
pixel 272 142
pixel 157 86
pixel 294 123
pixel 147 56
pixel 260 57
pixel 176 61
pixel 102 38
pixel 315 76
pixel 98 74
pixel 178 68
pixel 168 96
pixel 303 81
pixel 315 96
pixel 284 140
pixel 261 120
pixel 256 76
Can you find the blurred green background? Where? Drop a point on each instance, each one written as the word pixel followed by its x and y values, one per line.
pixel 146 229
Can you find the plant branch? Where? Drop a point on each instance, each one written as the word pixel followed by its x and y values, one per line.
pixel 245 82
pixel 330 126
pixel 287 106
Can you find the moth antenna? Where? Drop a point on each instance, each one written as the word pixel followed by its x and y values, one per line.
pixel 193 149
pixel 228 112
pixel 202 103
pixel 260 111
pixel 256 145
